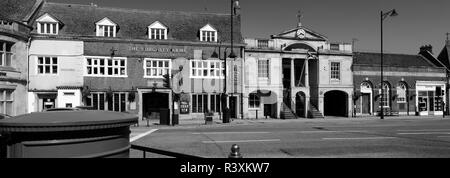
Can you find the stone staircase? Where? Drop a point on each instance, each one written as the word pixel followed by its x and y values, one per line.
pixel 286 112
pixel 313 112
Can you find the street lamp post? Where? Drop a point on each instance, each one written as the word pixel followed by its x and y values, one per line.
pixel 223 98
pixel 391 13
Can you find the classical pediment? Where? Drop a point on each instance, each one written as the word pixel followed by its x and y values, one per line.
pixel 301 33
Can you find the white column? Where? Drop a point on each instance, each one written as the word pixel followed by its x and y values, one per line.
pixel 306 73
pixel 350 106
pixel 292 73
pixel 306 105
pixel 140 104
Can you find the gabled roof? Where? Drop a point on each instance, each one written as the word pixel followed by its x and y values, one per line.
pixel 18 10
pixel 310 35
pixel 428 56
pixel 105 21
pixel 80 20
pixel 48 18
pixel 208 27
pixel 394 60
pixel 157 24
pixel 444 56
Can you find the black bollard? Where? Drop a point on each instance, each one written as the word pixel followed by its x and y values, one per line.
pixel 235 152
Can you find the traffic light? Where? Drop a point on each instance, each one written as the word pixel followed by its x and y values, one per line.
pixel 166 81
pixel 438 91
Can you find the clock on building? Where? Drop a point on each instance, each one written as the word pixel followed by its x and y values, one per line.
pixel 300 33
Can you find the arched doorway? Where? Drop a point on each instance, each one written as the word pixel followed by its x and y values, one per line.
pixel 366 97
pixel 300 103
pixel 335 103
pixel 402 97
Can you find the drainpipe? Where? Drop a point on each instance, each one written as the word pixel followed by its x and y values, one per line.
pixel 242 81
pixel 28 72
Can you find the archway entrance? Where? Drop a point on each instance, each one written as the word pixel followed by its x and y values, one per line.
pixel 300 103
pixel 335 103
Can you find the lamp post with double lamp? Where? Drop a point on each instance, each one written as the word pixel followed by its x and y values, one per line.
pixel 383 16
pixel 226 114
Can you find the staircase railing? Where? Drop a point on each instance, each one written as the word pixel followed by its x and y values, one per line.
pixel 286 108
pixel 313 108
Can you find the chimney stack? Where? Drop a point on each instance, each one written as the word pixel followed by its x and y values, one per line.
pixel 428 48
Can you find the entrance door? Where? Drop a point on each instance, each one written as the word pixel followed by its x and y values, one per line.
pixel 365 103
pixel 267 110
pixel 153 103
pixel 300 104
pixel 233 101
pixel 431 103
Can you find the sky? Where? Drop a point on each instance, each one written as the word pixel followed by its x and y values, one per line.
pixel 420 22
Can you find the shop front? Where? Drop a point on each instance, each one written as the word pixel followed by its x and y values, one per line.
pixel 430 97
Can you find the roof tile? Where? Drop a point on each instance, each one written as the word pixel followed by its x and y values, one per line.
pixel 80 20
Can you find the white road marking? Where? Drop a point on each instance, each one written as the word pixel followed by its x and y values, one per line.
pixel 423 133
pixel 142 135
pixel 242 141
pixel 424 130
pixel 198 133
pixel 327 131
pixel 358 138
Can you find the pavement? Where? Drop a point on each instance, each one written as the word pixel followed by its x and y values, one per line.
pixel 196 123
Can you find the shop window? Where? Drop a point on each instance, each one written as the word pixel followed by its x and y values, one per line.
pixel 96 100
pixel 118 102
pixel 156 68
pixel 47 65
pixel 6 101
pixel 199 103
pixel 5 53
pixel 215 103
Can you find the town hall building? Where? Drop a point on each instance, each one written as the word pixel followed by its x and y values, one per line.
pixel 297 73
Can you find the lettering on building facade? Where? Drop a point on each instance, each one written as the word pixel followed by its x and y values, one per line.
pixel 153 49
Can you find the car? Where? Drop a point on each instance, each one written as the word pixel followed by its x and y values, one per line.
pixel 4 116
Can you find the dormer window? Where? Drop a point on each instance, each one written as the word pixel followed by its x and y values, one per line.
pixel 208 34
pixel 46 24
pixel 106 28
pixel 157 31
